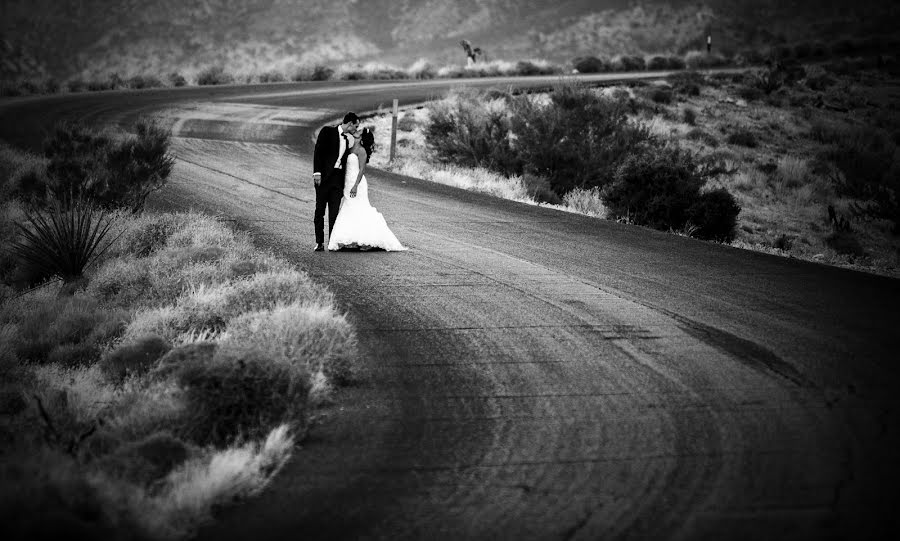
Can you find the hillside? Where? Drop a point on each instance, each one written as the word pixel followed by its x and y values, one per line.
pixel 86 38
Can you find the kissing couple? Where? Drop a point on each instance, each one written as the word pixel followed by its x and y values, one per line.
pixel 339 161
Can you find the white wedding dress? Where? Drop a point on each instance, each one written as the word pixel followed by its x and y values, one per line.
pixel 359 224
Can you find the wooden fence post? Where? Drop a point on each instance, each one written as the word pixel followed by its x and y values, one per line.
pixel 394 130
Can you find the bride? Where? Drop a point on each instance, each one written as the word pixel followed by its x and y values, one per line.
pixel 359 224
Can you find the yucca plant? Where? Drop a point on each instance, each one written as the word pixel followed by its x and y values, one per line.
pixel 64 238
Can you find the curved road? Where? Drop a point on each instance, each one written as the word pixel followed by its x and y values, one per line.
pixel 534 374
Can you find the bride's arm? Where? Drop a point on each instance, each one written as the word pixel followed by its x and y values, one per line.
pixel 362 168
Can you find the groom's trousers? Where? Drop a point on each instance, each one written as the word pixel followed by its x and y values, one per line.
pixel 328 193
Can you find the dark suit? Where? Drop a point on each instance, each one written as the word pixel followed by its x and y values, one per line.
pixel 331 189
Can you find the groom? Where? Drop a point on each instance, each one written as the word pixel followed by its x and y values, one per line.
pixel 328 175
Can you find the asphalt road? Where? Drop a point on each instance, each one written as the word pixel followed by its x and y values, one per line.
pixel 534 374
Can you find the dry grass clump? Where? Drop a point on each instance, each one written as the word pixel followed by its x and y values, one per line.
pixel 308 337
pixel 240 393
pixel 71 330
pixel 587 202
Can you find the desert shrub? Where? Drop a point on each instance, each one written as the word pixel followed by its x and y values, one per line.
pixel 149 459
pixel 22 175
pixel 474 132
pixel 309 338
pixel 586 202
pixel 749 93
pixel 407 122
pixel 845 243
pixel 869 171
pixel 658 63
pixel 70 330
pixel 792 172
pixel 703 136
pixel 134 358
pixel 321 73
pixel 742 137
pixel 658 189
pixel 820 82
pixel 240 394
pixel 63 240
pixel 272 77
pixel 579 158
pixel 138 166
pixel 688 82
pixel 149 233
pixel 214 75
pixel 539 189
pixel 77 155
pixel 527 67
pixel 689 115
pixel 628 63
pixel 177 79
pixel 265 291
pixel 714 214
pixel 144 81
pixel 590 64
pixel 422 69
pixel 661 95
pixel 863 155
pixel 702 60
pixel 109 171
pixel 76 85
pixel 97 85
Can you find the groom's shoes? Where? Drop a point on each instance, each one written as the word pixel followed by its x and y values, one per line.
pixel 319 247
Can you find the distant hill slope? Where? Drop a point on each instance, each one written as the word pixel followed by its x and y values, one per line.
pixel 66 38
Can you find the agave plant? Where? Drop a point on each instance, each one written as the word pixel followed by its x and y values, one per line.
pixel 64 238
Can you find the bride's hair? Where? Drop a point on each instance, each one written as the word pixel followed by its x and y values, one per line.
pixel 367 140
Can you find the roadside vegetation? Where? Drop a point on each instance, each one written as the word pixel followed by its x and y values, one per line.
pixel 799 160
pixel 853 50
pixel 154 366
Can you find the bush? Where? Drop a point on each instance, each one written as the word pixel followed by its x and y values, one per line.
pixel 628 63
pixel 658 188
pixel 750 93
pixel 49 329
pixel 688 83
pixel 76 85
pixel 64 240
pixel 144 81
pixel 92 164
pixel 703 60
pixel 579 157
pixel 845 243
pixel 690 116
pixel 590 64
pixel 307 337
pixel 135 358
pixel 742 137
pixel 177 79
pixel 706 138
pixel 661 95
pixel 472 131
pixel 138 166
pixel 214 75
pixel 149 233
pixel 272 77
pixel 715 215
pixel 240 395
pixel 525 67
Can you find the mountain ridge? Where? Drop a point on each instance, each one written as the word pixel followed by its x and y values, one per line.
pixel 88 38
